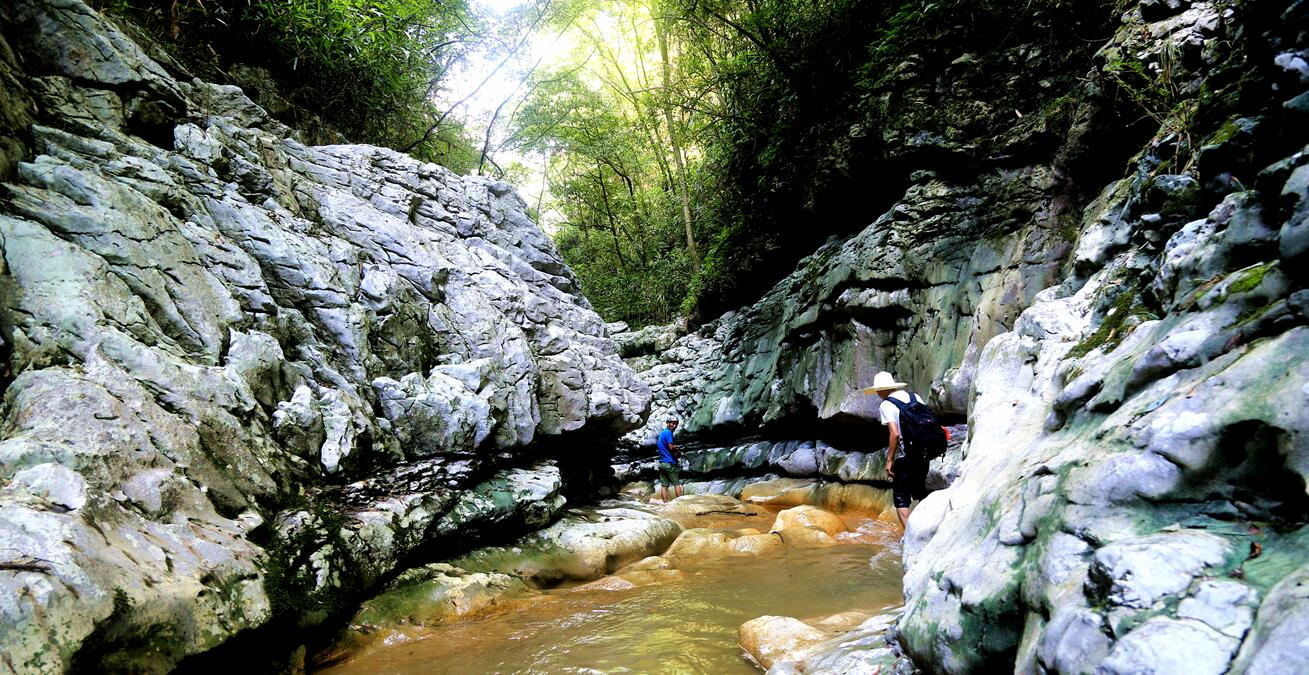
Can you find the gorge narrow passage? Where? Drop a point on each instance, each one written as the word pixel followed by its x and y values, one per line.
pixel 683 619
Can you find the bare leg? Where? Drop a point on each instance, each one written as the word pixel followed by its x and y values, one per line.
pixel 678 491
pixel 663 492
pixel 903 513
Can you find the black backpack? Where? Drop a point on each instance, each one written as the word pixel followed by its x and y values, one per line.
pixel 920 433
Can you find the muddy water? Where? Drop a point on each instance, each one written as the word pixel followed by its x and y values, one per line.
pixel 685 623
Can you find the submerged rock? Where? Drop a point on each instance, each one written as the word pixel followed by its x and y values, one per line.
pixel 850 642
pixel 769 639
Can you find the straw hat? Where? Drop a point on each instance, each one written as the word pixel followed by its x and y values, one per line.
pixel 883 381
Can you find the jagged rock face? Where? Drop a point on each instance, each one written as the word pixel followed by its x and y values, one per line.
pixel 206 322
pixel 918 292
pixel 1136 508
pixel 1132 496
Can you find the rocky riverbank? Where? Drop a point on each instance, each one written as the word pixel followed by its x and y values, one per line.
pixel 598 559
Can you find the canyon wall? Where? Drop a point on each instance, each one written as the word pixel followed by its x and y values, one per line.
pixel 1132 357
pixel 245 378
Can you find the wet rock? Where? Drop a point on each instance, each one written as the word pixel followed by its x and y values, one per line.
pixel 758 544
pixel 778 491
pixel 608 584
pixel 806 537
pixel 809 516
pixel 769 639
pixel 866 648
pixel 437 593
pixel 708 504
pixel 423 596
pixel 654 562
pixel 849 642
pixel 585 544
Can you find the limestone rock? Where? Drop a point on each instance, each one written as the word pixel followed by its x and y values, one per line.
pixel 212 326
pixel 806 537
pixel 768 639
pixel 646 341
pixel 1276 642
pixel 437 593
pixel 1138 572
pixel 700 543
pixel 584 544
pixel 1164 645
pixel 809 516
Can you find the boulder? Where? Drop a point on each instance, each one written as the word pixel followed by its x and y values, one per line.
pixel 758 544
pixel 806 537
pixel 809 516
pixel 584 544
pixel 701 543
pixel 769 639
pixel 437 593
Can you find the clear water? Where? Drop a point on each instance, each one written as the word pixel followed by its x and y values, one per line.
pixel 679 625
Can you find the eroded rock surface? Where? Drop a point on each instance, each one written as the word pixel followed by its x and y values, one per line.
pixel 1132 360
pixel 245 376
pixel 1132 495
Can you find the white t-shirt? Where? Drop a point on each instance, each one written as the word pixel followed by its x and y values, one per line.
pixel 889 412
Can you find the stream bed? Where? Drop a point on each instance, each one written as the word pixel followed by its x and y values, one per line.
pixel 683 624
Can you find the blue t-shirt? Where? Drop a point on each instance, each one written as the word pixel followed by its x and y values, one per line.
pixel 666 440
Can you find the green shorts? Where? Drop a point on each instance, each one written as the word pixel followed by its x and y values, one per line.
pixel 668 474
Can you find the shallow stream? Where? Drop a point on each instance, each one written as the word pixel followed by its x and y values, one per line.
pixel 687 623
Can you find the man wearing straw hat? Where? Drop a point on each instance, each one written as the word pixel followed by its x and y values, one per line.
pixel 908 473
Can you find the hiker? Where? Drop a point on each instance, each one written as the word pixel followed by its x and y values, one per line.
pixel 916 438
pixel 668 461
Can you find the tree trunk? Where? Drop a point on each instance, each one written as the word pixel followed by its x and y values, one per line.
pixel 678 160
pixel 609 213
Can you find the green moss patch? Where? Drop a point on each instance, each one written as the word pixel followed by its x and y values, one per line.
pixel 1126 312
pixel 1248 279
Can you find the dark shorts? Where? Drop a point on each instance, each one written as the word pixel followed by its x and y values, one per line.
pixel 909 482
pixel 668 474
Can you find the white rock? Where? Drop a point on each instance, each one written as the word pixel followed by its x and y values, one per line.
pixel 1165 645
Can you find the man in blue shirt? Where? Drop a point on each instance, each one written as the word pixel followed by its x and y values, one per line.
pixel 668 461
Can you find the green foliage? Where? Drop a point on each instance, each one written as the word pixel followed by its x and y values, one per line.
pixel 814 95
pixel 367 68
pixel 607 121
